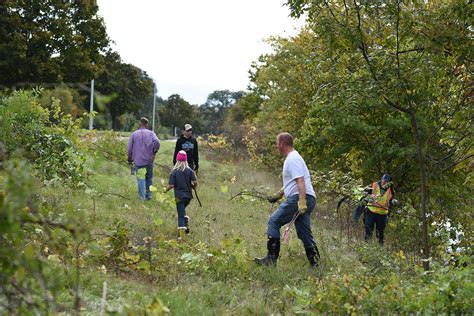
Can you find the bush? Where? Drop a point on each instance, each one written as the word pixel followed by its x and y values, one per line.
pixel 27 132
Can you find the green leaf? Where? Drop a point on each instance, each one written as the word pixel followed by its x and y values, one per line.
pixel 224 188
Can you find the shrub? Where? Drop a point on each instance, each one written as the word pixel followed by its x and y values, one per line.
pixel 27 132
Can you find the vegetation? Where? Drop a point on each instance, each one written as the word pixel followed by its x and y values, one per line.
pixel 64 247
pixel 365 88
pixel 371 88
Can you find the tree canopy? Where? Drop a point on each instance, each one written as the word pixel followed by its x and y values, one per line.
pixel 50 41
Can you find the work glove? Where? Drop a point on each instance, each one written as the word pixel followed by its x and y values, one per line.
pixel 165 190
pixel 274 198
pixel 302 208
pixel 362 202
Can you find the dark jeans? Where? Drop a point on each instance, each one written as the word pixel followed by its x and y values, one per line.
pixel 144 182
pixel 285 213
pixel 377 220
pixel 181 204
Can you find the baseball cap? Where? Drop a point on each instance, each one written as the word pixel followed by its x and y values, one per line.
pixel 187 127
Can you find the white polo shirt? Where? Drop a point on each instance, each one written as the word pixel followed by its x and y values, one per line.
pixel 293 168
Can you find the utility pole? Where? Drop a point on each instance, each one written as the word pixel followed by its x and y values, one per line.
pixel 154 107
pixel 91 107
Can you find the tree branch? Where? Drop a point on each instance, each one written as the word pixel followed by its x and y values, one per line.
pixel 420 49
pixel 454 164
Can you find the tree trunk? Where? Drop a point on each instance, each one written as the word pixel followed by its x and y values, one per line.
pixel 423 198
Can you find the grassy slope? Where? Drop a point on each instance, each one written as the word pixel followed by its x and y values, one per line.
pixel 236 286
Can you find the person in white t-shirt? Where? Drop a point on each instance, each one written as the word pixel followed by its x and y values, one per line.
pixel 300 198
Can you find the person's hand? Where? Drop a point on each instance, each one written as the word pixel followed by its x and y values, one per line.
pixel 371 198
pixel 302 208
pixel 274 198
pixel 362 202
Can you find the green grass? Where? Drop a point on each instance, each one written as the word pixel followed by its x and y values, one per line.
pixel 220 276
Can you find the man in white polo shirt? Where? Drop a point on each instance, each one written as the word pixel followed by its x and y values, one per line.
pixel 300 198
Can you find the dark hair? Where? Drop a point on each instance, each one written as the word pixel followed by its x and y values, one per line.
pixel 286 139
pixel 144 121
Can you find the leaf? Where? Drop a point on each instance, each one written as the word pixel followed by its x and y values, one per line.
pixel 156 308
pixel 224 188
pixel 144 266
pixel 157 220
pixel 54 258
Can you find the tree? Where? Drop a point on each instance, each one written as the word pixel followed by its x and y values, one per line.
pixel 378 87
pixel 214 111
pixel 410 61
pixel 176 112
pixel 50 42
pixel 69 100
pixel 129 86
pixel 247 107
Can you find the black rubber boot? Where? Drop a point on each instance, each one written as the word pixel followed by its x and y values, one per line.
pixel 273 247
pixel 312 254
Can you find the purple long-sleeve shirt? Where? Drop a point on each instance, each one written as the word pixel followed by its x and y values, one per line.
pixel 142 147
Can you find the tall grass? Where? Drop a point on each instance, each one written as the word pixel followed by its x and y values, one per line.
pixel 212 271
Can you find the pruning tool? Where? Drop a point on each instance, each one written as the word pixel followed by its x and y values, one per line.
pixel 287 229
pixel 197 197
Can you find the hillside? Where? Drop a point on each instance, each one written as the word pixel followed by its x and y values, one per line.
pixel 134 250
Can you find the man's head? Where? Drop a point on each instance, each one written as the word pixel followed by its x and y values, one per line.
pixel 385 181
pixel 143 122
pixel 284 143
pixel 188 130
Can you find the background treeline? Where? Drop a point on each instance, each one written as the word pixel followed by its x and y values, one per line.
pixel 63 45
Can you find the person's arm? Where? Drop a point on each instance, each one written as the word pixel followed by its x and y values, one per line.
pixel 297 171
pixel 171 182
pixel 194 181
pixel 302 208
pixel 196 155
pixel 393 200
pixel 277 196
pixel 156 144
pixel 130 150
pixel 169 187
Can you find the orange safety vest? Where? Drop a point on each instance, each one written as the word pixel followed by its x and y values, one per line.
pixel 381 202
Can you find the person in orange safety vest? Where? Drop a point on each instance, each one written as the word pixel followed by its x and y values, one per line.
pixel 380 199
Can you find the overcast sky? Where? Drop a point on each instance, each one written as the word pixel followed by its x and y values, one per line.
pixel 194 47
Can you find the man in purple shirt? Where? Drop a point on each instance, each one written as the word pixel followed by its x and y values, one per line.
pixel 142 148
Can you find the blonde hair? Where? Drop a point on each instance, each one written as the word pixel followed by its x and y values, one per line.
pixel 180 165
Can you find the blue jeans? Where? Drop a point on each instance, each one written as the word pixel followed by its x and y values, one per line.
pixel 181 204
pixel 144 183
pixel 285 213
